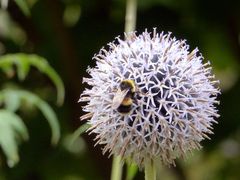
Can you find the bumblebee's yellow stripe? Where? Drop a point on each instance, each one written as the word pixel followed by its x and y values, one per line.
pixel 127 102
pixel 131 84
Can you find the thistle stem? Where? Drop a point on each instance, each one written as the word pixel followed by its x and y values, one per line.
pixel 130 24
pixel 116 168
pixel 131 15
pixel 150 170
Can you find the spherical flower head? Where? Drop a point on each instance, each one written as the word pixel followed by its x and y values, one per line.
pixel 170 110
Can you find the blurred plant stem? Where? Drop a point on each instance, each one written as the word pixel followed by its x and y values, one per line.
pixel 130 24
pixel 150 170
pixel 131 15
pixel 116 168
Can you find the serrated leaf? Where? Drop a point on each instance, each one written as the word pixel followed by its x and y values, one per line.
pixel 23 63
pixel 9 145
pixel 23 67
pixel 12 132
pixel 11 101
pixel 22 4
pixel 44 67
pixel 7 67
pixel 47 111
pixel 52 120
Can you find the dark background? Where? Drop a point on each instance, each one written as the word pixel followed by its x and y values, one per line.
pixel 69 32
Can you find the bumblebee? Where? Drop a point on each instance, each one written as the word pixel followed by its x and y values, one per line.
pixel 123 98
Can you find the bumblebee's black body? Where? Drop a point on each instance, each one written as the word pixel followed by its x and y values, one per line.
pixel 126 104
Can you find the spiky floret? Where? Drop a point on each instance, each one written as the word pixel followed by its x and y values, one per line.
pixel 174 105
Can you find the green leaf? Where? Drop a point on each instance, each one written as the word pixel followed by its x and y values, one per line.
pixel 22 4
pixel 79 131
pixel 8 69
pixel 23 66
pixel 49 114
pixel 52 120
pixel 23 63
pixel 12 132
pixel 11 101
pixel 44 67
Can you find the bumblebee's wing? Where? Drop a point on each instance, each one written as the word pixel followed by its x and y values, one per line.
pixel 118 98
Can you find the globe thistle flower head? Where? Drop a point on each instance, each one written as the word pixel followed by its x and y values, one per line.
pixel 167 105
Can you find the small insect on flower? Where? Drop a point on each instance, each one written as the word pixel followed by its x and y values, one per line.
pixel 123 98
pixel 150 97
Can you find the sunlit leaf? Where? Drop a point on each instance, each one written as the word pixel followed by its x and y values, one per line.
pixel 22 4
pixel 23 63
pixel 7 68
pixel 49 114
pixel 12 132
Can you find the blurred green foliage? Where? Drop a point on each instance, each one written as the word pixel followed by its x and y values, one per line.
pixel 68 33
pixel 12 131
pixel 12 98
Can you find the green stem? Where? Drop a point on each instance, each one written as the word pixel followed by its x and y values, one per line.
pixel 150 170
pixel 130 24
pixel 116 168
pixel 131 15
